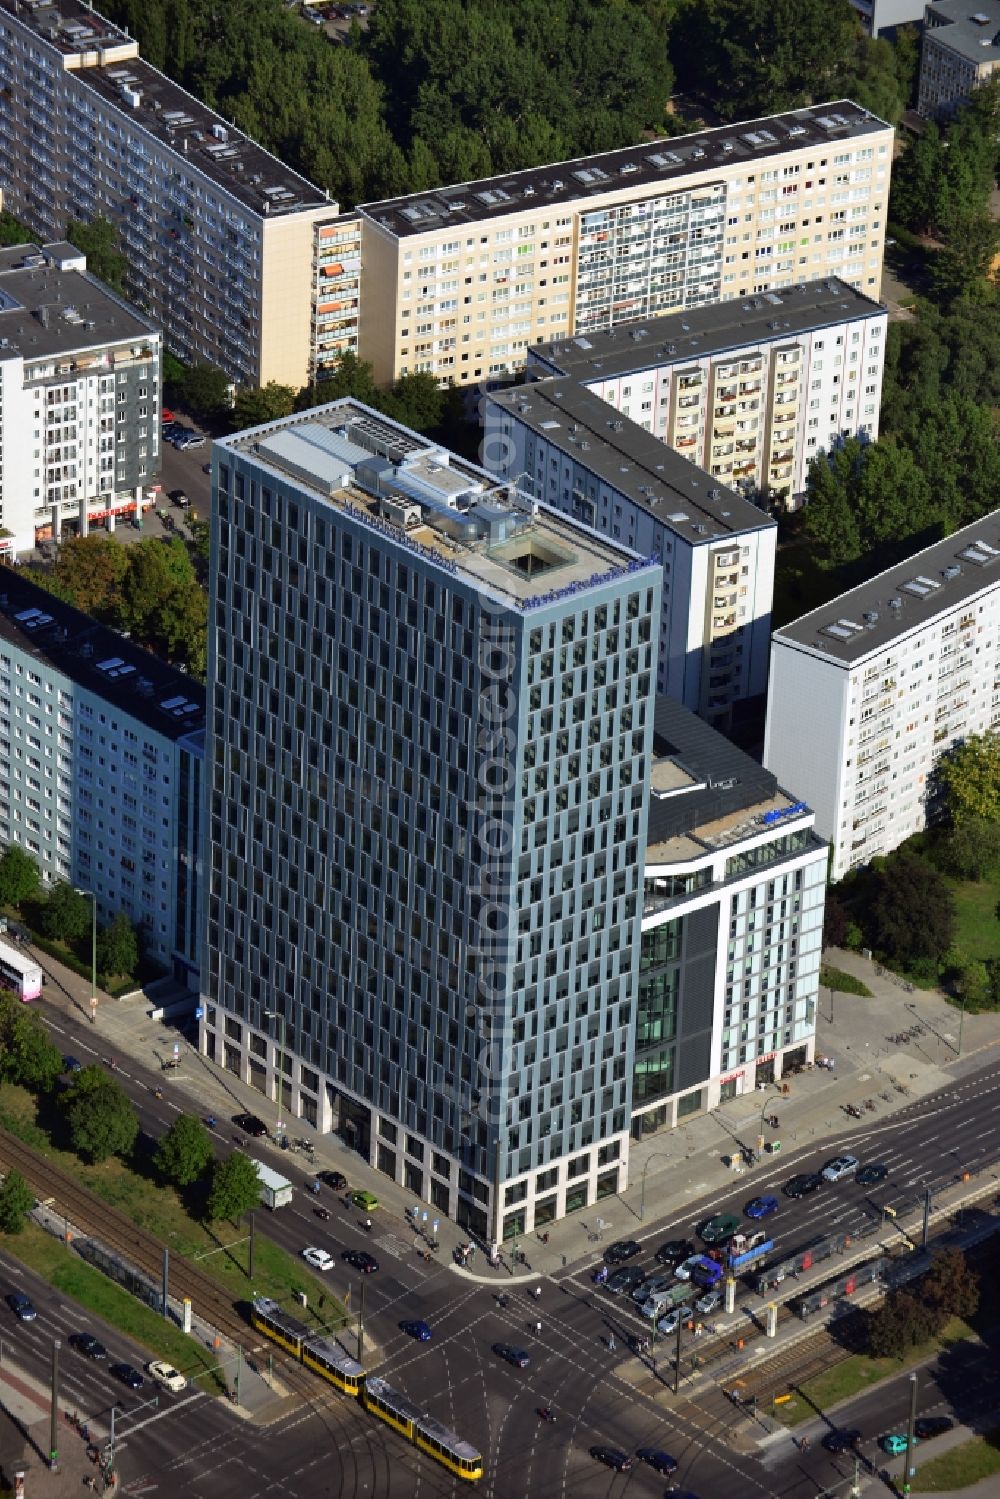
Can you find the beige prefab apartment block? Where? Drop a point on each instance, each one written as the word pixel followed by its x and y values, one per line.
pixel 469 276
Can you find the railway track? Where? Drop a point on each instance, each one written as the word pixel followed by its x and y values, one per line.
pixel 92 1216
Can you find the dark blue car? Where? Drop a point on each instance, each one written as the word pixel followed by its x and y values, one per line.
pixel 760 1207
pixel 418 1330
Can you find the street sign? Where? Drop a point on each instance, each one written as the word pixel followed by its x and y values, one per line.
pixel 199 1013
pixel 177 1049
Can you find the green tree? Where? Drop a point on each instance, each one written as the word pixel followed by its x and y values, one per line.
pixel 204 390
pixel 162 602
pixel 253 407
pixel 235 1188
pixel 16 1202
pixel 19 877
pixel 13 232
pixel 350 376
pixel 184 1151
pixel 974 986
pixel 27 1055
pixel 88 574
pixel 415 400
pixel 66 915
pixel 962 267
pixel 950 1287
pixel 972 852
pixel 118 948
pixel 968 780
pixel 102 1121
pixel 912 909
pixel 98 240
pixel 902 1322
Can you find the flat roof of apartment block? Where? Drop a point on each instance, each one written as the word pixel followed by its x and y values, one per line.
pixel 686 499
pixel 970 27
pixel 128 677
pixel 652 164
pixel 904 598
pixel 174 117
pixel 449 512
pixel 770 317
pixel 46 310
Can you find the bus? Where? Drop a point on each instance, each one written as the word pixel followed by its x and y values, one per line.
pixel 326 1358
pixel 19 973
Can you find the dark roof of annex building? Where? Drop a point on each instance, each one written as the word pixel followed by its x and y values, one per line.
pixel 679 337
pixel 969 27
pixel 679 494
pixel 129 678
pixel 904 598
pixel 175 118
pixel 652 164
pixel 725 780
pixel 48 310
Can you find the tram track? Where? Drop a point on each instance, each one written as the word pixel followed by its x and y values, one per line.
pixel 93 1217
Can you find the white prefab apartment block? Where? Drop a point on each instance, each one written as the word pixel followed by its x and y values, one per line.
pixel 101 750
pixel 881 16
pixel 732 927
pixel 750 391
pixel 79 398
pixel 961 48
pixel 221 239
pixel 868 691
pixel 468 277
pixel 716 549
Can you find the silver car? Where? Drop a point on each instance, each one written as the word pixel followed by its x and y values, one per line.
pixel 839 1167
pixel 673 1319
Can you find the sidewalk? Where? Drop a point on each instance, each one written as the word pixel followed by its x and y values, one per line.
pixel 25 1436
pixel 669 1168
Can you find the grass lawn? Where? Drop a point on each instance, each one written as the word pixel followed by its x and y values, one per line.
pixel 859 1373
pixel 220 1249
pixel 844 983
pixel 65 1271
pixel 978 934
pixel 963 1465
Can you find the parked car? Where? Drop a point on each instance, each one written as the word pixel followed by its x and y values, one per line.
pixel 21 1306
pixel 180 499
pixel 649 1285
pixel 802 1184
pixel 708 1303
pixel 166 1376
pixel 250 1125
pixel 760 1207
pixel 126 1375
pixel 515 1356
pixel 932 1426
pixel 624 1249
pixel 872 1174
pixel 839 1167
pixel 193 440
pixel 166 416
pixel 335 1179
pixel 720 1229
pixel 319 1259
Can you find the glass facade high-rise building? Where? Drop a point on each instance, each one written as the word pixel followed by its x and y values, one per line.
pixel 430 725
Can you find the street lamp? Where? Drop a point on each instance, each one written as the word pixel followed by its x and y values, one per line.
pixel 660 1155
pixel 93 950
pixel 280 1076
pixel 763 1110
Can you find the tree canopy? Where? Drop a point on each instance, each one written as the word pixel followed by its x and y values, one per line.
pixel 98 239
pixel 19 877
pixel 16 1202
pixel 235 1188
pixel 184 1152
pixel 27 1055
pixel 968 778
pixel 118 947
pixel 913 909
pixel 102 1121
pixel 66 915
pixel 415 400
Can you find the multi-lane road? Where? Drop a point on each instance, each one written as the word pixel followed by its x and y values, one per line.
pixel 599 1395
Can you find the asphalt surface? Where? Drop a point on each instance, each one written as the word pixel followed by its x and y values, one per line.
pixel 599 1395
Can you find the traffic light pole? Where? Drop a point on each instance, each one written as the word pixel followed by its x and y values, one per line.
pixel 909 1465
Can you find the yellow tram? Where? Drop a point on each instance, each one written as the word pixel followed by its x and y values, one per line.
pixel 327 1359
